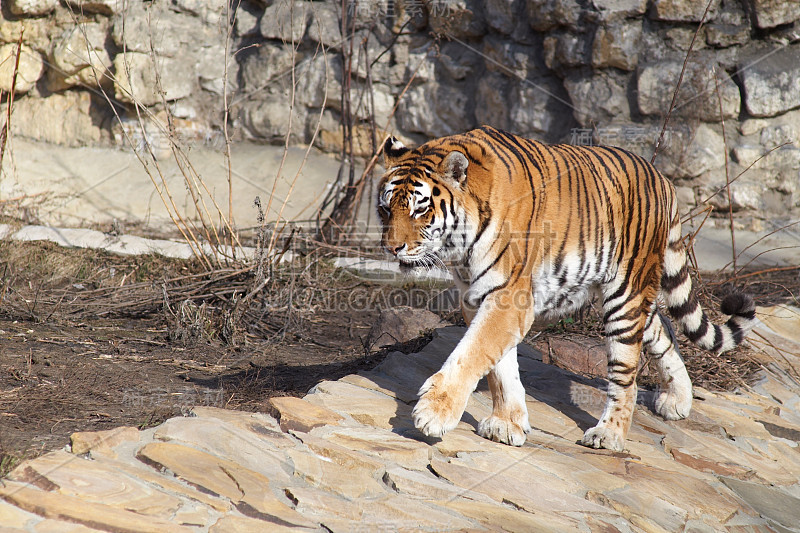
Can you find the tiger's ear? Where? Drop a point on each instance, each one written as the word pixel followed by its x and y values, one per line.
pixel 454 168
pixel 393 150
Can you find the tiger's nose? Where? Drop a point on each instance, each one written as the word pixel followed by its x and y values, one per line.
pixel 394 250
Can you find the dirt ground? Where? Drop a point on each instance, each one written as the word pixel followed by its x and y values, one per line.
pixel 89 341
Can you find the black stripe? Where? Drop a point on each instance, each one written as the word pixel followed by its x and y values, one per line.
pixel 493 263
pixel 629 340
pixel 670 283
pixel 701 331
pixel 738 333
pixel 621 331
pixel 680 311
pixel 718 338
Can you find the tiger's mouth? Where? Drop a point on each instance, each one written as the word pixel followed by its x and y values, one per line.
pixel 410 262
pixel 422 260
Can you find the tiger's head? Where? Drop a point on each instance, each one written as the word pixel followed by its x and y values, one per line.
pixel 419 203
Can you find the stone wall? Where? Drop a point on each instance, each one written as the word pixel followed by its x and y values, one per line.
pixel 579 71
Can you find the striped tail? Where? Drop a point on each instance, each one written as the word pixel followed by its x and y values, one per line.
pixel 676 289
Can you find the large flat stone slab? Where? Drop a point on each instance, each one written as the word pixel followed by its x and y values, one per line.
pixel 347 457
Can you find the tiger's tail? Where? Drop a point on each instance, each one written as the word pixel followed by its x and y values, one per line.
pixel 676 289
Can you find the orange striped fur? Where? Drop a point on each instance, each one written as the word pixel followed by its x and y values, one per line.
pixel 529 229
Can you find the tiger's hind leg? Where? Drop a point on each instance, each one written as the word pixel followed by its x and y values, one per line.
pixel 626 308
pixel 508 422
pixel 674 394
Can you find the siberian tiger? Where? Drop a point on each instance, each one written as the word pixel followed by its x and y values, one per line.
pixel 529 229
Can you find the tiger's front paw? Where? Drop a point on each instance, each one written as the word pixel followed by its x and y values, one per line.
pixel 504 430
pixel 439 408
pixel 604 437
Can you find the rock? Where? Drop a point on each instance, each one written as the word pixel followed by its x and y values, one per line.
pixel 565 50
pixel 210 68
pixel 97 483
pixel 406 514
pixel 37 34
pixel 401 324
pixel 778 134
pixel 457 62
pixel 245 444
pixel 330 137
pixel 697 96
pixel 101 441
pixel 384 384
pixel 325 27
pixel 704 464
pixel 544 15
pixel 199 469
pixel 270 120
pixel 770 86
pixel 536 497
pixel 760 157
pixel 69 119
pixel 422 64
pixel 243 524
pixel 380 444
pixel 348 481
pixel 323 505
pixel 617 45
pixel 174 35
pixel 770 502
pixel 31 68
pixel 382 105
pixel 286 21
pixel 661 515
pixel 423 485
pixel 208 11
pixel 248 20
pixel 102 7
pixel 462 19
pixel 80 58
pixel 724 35
pixel 31 8
pixel 73 509
pixel 491 101
pixel 752 125
pixel 435 109
pixel 771 13
pixel 538 109
pixel 298 415
pixel 500 15
pixel 616 9
pixel 504 57
pixel 14 518
pixel 585 356
pixel 316 77
pixel 263 68
pixel 598 98
pixel 364 406
pixel 246 488
pixel 691 153
pixel 683 10
pixel 176 76
pixel 404 376
pixel 686 196
pixel 135 469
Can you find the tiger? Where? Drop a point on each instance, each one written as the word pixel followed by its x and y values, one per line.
pixel 527 230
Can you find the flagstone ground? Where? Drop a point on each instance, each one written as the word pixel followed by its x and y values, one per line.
pixel 346 457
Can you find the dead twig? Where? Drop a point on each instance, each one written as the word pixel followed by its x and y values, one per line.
pixel 5 133
pixel 680 81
